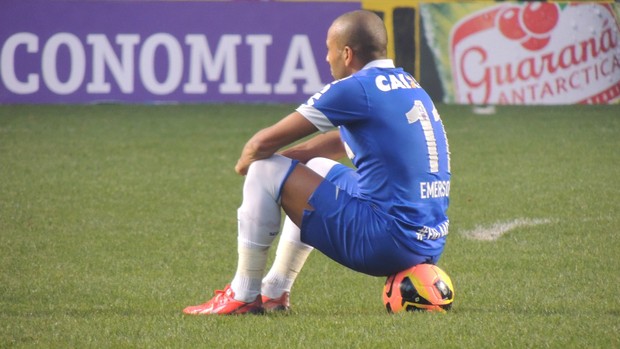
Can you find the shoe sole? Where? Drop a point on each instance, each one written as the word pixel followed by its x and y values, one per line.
pixel 241 311
pixel 277 309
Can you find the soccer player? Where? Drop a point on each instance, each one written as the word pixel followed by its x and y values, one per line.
pixel 384 216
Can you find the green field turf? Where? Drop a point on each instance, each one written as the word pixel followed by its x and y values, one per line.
pixel 114 218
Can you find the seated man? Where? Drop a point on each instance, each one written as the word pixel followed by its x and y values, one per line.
pixel 386 215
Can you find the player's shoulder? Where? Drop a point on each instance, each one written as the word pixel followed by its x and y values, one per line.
pixel 346 83
pixel 335 90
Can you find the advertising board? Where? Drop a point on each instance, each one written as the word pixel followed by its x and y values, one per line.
pixel 126 51
pixel 526 52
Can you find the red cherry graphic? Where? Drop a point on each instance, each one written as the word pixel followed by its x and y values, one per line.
pixel 534 44
pixel 540 17
pixel 509 24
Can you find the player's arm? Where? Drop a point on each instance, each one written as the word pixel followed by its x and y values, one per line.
pixel 269 140
pixel 327 145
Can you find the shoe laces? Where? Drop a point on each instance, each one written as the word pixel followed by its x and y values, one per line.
pixel 221 295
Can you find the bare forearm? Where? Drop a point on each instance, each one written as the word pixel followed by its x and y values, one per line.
pixel 258 147
pixel 327 145
pixel 269 140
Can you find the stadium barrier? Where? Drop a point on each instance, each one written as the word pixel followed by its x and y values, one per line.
pixel 269 51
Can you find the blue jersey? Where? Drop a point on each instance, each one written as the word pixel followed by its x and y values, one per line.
pixel 394 137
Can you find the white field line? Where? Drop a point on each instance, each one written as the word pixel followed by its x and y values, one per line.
pixel 494 231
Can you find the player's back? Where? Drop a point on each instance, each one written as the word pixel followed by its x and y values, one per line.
pixel 400 148
pixel 395 138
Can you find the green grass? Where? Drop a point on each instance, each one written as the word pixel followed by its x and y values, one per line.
pixel 113 218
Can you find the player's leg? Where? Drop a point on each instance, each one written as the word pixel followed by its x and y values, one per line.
pixel 259 219
pixel 290 255
pixel 259 223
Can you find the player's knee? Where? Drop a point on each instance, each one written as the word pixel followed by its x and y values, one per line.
pixel 270 173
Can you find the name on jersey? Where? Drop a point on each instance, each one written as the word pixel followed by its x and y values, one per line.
pixel 395 82
pixel 435 189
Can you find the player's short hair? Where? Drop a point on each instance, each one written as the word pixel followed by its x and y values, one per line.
pixel 364 32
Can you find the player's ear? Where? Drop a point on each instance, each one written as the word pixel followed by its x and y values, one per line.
pixel 348 54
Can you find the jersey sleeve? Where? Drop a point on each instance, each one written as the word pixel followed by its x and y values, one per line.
pixel 339 103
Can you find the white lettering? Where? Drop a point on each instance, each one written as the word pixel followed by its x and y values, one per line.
pixel 428 233
pixel 7 63
pixel 394 83
pixel 259 44
pixel 77 67
pixel 435 189
pixel 147 63
pixel 382 83
pixel 315 97
pixel 201 59
pixel 104 56
pixel 162 64
pixel 300 51
pixel 402 79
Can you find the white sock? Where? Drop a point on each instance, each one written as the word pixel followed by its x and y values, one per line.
pixel 259 223
pixel 290 258
pixel 250 267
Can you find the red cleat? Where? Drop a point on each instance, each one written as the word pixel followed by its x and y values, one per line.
pixel 277 304
pixel 224 303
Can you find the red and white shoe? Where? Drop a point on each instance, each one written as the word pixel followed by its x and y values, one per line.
pixel 281 303
pixel 224 303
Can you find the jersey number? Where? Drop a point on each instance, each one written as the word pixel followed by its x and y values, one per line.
pixel 418 113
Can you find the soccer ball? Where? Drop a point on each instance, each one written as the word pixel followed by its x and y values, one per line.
pixel 424 287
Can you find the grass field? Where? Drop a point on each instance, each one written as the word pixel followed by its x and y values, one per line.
pixel 114 218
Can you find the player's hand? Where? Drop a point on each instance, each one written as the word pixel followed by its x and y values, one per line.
pixel 249 154
pixel 242 167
